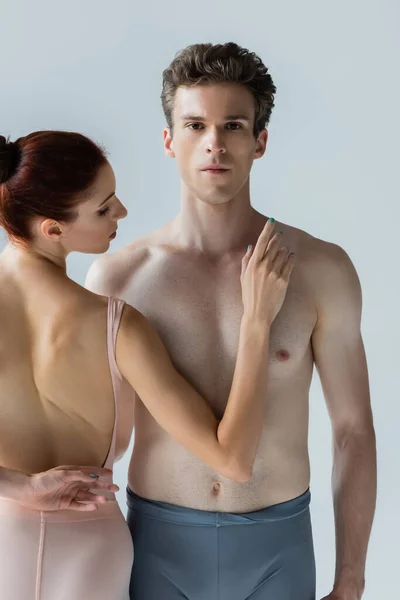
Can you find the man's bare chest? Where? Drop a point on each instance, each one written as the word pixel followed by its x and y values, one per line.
pixel 197 312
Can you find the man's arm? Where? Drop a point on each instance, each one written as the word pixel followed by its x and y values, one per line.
pixel 108 276
pixel 341 363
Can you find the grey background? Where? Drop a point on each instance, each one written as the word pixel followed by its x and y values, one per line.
pixel 95 67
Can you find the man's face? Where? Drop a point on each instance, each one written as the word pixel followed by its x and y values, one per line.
pixel 213 139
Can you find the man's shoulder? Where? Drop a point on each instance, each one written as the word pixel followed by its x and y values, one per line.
pixel 125 259
pixel 315 253
pixel 110 273
pixel 325 265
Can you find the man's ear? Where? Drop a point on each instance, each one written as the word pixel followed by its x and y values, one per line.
pixel 168 143
pixel 261 144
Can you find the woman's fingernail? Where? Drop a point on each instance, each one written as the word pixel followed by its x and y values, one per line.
pixel 271 220
pixel 93 475
pixel 249 248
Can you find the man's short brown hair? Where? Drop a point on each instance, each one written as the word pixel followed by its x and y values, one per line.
pixel 218 63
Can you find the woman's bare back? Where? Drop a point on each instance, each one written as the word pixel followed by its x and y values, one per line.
pixel 56 396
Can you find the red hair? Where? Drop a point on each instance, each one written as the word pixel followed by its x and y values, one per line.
pixel 45 174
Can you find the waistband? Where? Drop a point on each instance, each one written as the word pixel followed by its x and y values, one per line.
pixel 110 510
pixel 163 511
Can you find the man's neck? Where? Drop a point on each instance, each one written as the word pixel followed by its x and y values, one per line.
pixel 217 230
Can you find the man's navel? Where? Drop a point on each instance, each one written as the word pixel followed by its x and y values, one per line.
pixel 216 488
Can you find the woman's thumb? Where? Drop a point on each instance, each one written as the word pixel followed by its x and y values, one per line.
pixel 246 258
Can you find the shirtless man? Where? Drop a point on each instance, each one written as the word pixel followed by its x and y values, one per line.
pixel 184 277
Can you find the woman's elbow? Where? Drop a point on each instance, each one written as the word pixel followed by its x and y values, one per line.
pixel 238 472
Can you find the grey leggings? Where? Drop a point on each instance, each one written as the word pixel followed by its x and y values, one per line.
pixel 181 553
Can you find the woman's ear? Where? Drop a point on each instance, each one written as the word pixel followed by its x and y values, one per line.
pixel 51 230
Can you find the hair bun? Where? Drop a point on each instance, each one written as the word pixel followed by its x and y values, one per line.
pixel 9 158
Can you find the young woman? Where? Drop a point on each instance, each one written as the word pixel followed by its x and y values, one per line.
pixel 63 355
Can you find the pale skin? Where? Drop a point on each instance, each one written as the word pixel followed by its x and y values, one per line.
pixel 184 278
pixel 56 397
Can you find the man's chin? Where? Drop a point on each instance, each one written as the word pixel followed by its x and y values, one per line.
pixel 216 199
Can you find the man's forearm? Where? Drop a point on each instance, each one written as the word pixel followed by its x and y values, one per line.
pixel 354 494
pixel 12 483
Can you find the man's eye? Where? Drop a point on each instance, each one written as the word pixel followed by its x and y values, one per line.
pixel 195 126
pixel 234 126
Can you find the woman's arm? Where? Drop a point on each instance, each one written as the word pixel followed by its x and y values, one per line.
pixel 228 446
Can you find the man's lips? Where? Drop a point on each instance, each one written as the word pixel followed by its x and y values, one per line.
pixel 215 169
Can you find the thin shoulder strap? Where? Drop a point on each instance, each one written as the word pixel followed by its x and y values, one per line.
pixel 115 309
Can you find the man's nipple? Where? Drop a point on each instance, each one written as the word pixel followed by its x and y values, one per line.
pixel 283 354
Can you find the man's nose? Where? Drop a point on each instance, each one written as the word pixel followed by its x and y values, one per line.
pixel 215 143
